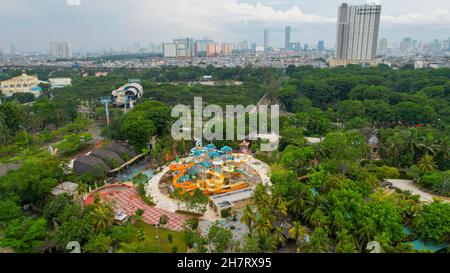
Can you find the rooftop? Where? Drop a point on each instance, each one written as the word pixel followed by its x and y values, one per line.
pixel 227 199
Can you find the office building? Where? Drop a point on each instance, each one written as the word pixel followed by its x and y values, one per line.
pixel 212 50
pixel 60 49
pixel 321 46
pixel 56 83
pixel 227 48
pixel 169 50
pixel 357 33
pixel 201 45
pixel 296 46
pixel 382 48
pixel 406 44
pixel 287 38
pixel 266 39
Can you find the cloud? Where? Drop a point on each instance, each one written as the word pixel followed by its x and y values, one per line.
pixel 438 16
pixel 73 2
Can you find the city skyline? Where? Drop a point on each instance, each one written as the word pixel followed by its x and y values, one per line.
pixel 93 25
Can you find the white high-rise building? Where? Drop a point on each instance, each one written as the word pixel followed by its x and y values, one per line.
pixel 169 50
pixel 60 49
pixel 357 32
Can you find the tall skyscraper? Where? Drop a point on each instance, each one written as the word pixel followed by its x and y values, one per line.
pixel 266 39
pixel 287 38
pixel 321 46
pixel 357 32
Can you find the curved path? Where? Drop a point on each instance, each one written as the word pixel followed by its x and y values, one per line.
pixel 408 185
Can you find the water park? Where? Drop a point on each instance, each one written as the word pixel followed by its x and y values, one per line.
pixel 226 177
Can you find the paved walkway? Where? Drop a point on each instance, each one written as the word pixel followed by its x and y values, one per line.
pixel 128 201
pixel 408 185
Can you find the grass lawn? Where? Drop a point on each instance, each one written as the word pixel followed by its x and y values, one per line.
pixel 150 234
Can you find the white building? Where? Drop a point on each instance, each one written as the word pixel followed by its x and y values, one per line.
pixel 357 32
pixel 60 82
pixel 128 94
pixel 60 49
pixel 170 50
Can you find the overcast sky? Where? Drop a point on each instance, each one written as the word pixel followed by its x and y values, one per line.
pixel 94 24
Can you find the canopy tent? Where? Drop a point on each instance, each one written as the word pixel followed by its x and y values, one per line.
pixel 213 154
pixel 226 149
pixel 211 146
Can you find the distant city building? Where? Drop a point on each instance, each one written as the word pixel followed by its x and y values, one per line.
pixel 383 46
pixel 21 84
pixel 226 48
pixel 169 50
pixel 287 38
pixel 56 83
pixel 201 45
pixel 296 46
pixel 357 33
pixel 60 49
pixel 266 39
pixel 180 48
pixel 406 44
pixel 321 46
pixel 212 49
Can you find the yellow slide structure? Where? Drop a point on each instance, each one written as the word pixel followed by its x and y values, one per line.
pixel 212 185
pixel 182 168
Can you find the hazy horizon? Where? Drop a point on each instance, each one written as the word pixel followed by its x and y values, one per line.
pixel 97 24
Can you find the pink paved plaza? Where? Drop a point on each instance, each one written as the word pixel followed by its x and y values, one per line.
pixel 127 200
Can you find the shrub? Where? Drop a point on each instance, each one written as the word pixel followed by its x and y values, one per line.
pixel 438 182
pixel 174 249
pixel 193 223
pixel 386 172
pixel 224 213
pixel 413 172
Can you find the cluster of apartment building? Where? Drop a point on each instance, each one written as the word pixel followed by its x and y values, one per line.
pixel 188 47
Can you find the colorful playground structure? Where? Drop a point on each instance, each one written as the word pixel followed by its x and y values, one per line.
pixel 213 171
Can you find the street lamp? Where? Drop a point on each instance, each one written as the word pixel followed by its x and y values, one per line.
pixel 157 233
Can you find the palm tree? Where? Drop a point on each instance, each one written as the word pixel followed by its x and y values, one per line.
pixel 265 243
pixel 248 217
pixel 261 197
pixel 262 225
pixel 297 231
pixel 365 234
pixel 312 206
pixel 426 164
pixel 278 236
pixel 281 209
pixel 102 217
pixel 301 195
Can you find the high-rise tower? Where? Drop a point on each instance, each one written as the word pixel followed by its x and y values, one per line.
pixel 357 32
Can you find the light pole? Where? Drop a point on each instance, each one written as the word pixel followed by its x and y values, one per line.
pixel 106 101
pixel 157 233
